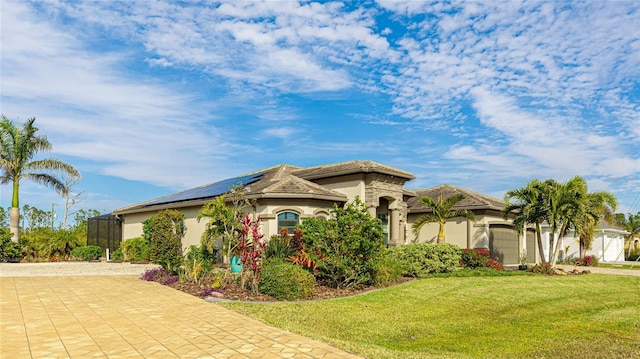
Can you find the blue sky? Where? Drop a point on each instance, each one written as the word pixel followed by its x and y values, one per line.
pixel 146 98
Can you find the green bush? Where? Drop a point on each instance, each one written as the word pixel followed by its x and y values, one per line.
pixel 286 281
pixel 117 255
pixel 421 259
pixel 343 250
pixel 47 244
pixel 196 264
pixel 280 246
pixel 86 253
pixel 9 250
pixel 135 249
pixel 634 255
pixel 387 270
pixel 166 239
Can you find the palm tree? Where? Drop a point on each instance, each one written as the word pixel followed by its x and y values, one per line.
pixel 18 146
pixel 570 206
pixel 441 212
pixel 528 208
pixel 596 206
pixel 631 225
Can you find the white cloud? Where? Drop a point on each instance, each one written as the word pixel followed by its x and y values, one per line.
pixel 137 128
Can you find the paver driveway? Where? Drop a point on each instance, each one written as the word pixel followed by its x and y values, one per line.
pixel 124 317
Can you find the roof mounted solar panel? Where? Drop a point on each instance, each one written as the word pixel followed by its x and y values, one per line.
pixel 207 191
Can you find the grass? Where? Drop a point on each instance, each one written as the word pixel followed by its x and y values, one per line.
pixel 586 316
pixel 620 266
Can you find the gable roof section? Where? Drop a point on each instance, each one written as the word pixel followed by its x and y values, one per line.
pixel 278 182
pixel 351 167
pixel 474 200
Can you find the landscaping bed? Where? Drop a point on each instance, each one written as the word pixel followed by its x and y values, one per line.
pixel 233 292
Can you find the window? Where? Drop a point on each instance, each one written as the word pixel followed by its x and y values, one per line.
pixel 288 220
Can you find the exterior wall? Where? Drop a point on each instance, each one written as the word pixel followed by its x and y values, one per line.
pixel 132 226
pixel 267 209
pixel 458 231
pixel 462 232
pixel 351 186
pixel 607 245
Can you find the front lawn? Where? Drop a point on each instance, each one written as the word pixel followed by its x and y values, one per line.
pixel 585 316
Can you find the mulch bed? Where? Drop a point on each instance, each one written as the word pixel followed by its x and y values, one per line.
pixel 233 291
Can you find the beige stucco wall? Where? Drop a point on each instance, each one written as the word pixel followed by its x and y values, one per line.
pixel 267 209
pixel 306 208
pixel 352 185
pixel 458 231
pixel 132 226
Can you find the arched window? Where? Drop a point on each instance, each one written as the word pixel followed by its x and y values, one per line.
pixel 288 220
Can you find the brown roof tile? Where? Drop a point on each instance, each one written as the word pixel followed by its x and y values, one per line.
pixel 473 200
pixel 350 167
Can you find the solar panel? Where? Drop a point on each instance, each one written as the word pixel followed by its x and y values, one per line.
pixel 207 191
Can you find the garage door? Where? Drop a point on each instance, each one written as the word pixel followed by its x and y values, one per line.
pixel 503 244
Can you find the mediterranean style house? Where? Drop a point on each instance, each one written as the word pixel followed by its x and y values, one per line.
pixel 284 195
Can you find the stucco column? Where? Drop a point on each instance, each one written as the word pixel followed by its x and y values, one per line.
pixel 394 228
pixel 373 210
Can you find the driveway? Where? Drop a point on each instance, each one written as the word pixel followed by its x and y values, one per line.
pixel 118 316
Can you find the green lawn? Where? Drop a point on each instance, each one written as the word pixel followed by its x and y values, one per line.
pixel 586 316
pixel 620 266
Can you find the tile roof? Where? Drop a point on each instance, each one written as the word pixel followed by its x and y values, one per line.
pixel 350 167
pixel 473 200
pixel 278 182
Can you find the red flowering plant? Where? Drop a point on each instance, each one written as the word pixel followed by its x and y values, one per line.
pixel 474 258
pixel 251 248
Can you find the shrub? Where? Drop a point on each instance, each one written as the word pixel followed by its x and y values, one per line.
pixel 634 255
pixel 9 250
pixel 474 258
pixel 86 253
pixel 493 264
pixel 117 255
pixel 166 239
pixel 251 247
pixel 586 261
pixel 421 259
pixel 542 268
pixel 346 247
pixel 153 275
pixel 387 270
pixel 196 265
pixel 135 249
pixel 169 279
pixel 280 246
pixel 286 281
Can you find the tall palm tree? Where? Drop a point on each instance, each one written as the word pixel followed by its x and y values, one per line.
pixel 571 206
pixel 596 206
pixel 442 210
pixel 18 147
pixel 526 203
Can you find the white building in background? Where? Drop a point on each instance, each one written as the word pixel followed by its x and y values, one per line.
pixel 607 244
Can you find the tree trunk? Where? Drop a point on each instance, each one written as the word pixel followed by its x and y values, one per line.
pixel 441 233
pixel 540 246
pixel 15 224
pixel 556 252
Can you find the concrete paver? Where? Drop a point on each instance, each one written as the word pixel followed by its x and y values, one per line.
pixel 124 317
